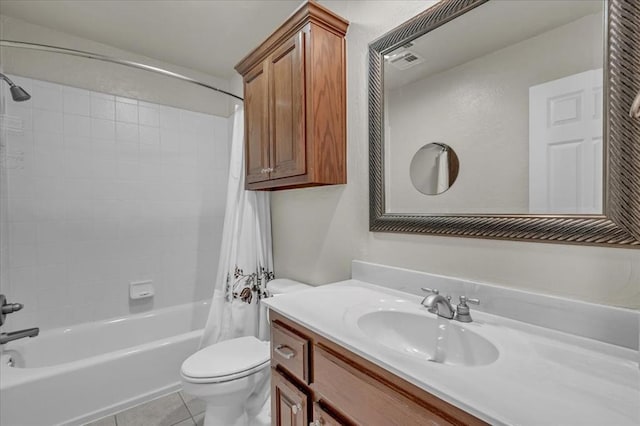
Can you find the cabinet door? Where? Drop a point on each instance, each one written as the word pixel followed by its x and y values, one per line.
pixel 288 403
pixel 288 142
pixel 322 418
pixel 256 103
pixel 370 400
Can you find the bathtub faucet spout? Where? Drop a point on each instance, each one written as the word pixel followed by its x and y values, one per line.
pixel 20 334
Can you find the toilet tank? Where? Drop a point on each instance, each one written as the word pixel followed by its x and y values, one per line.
pixel 284 285
pixel 275 288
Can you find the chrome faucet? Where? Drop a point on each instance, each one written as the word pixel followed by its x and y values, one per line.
pixel 441 306
pixel 438 304
pixel 9 308
pixel 20 334
pixel 463 313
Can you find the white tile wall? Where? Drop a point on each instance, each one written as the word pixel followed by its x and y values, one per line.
pixel 104 191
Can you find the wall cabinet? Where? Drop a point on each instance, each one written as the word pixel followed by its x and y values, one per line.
pixel 295 103
pixel 317 382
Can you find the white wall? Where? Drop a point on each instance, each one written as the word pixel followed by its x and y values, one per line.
pixel 481 109
pixel 106 77
pixel 90 214
pixel 103 191
pixel 318 231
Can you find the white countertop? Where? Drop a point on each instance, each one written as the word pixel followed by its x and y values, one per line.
pixel 541 377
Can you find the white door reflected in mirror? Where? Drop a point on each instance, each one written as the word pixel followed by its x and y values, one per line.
pixel 565 145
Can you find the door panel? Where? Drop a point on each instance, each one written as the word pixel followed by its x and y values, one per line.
pixel 288 156
pixel 565 145
pixel 256 105
pixel 288 404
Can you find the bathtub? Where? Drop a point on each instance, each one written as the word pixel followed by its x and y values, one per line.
pixel 73 375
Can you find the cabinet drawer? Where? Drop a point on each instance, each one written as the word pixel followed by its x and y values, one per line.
pixel 290 351
pixel 370 400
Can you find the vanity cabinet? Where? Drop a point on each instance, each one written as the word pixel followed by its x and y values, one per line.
pixel 295 103
pixel 339 387
pixel 289 404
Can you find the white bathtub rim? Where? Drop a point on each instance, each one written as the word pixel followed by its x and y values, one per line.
pixel 106 321
pixel 16 376
pixel 87 326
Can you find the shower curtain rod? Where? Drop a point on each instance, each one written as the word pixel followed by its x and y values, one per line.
pixel 99 57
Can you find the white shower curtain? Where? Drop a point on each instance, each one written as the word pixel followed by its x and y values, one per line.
pixel 245 264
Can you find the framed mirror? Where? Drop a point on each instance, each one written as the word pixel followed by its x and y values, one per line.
pixel 533 98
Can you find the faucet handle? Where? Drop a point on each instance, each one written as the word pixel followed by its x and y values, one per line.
pixel 464 300
pixel 430 290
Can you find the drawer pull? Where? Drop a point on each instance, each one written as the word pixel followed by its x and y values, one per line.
pixel 285 351
pixel 296 408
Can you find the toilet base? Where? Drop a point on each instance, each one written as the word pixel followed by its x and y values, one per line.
pixel 225 416
pixel 238 416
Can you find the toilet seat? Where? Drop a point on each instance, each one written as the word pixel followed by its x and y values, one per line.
pixel 226 361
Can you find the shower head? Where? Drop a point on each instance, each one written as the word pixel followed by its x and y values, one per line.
pixel 17 93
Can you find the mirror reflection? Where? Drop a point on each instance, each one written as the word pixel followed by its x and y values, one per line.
pixel 516 87
pixel 434 168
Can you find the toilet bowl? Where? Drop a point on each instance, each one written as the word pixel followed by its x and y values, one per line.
pixel 232 376
pixel 225 375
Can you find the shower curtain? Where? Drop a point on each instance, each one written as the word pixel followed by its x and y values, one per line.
pixel 245 264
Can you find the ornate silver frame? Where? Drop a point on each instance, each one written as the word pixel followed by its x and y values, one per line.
pixel 619 226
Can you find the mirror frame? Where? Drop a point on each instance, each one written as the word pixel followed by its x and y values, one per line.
pixel 619 226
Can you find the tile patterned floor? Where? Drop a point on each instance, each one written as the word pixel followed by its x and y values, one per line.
pixel 176 409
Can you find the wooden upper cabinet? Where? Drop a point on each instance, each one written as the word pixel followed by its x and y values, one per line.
pixel 256 88
pixel 295 103
pixel 288 155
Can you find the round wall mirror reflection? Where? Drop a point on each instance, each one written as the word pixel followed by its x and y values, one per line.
pixel 434 168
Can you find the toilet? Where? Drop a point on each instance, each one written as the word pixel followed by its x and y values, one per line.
pixel 232 376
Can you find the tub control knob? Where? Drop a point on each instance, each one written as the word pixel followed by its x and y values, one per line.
pixel 8 308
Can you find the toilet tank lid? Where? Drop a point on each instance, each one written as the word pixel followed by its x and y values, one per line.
pixel 285 285
pixel 226 358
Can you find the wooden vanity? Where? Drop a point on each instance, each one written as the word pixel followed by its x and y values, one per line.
pixel 317 382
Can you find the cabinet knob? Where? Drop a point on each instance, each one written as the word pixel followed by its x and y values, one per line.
pixel 296 408
pixel 318 422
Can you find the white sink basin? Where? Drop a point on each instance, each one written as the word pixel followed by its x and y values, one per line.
pixel 430 338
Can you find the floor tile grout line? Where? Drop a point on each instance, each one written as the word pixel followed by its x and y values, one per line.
pixel 184 403
pixel 193 417
pixel 186 406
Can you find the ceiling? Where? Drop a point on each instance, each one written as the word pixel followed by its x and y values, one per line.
pixel 485 29
pixel 208 36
